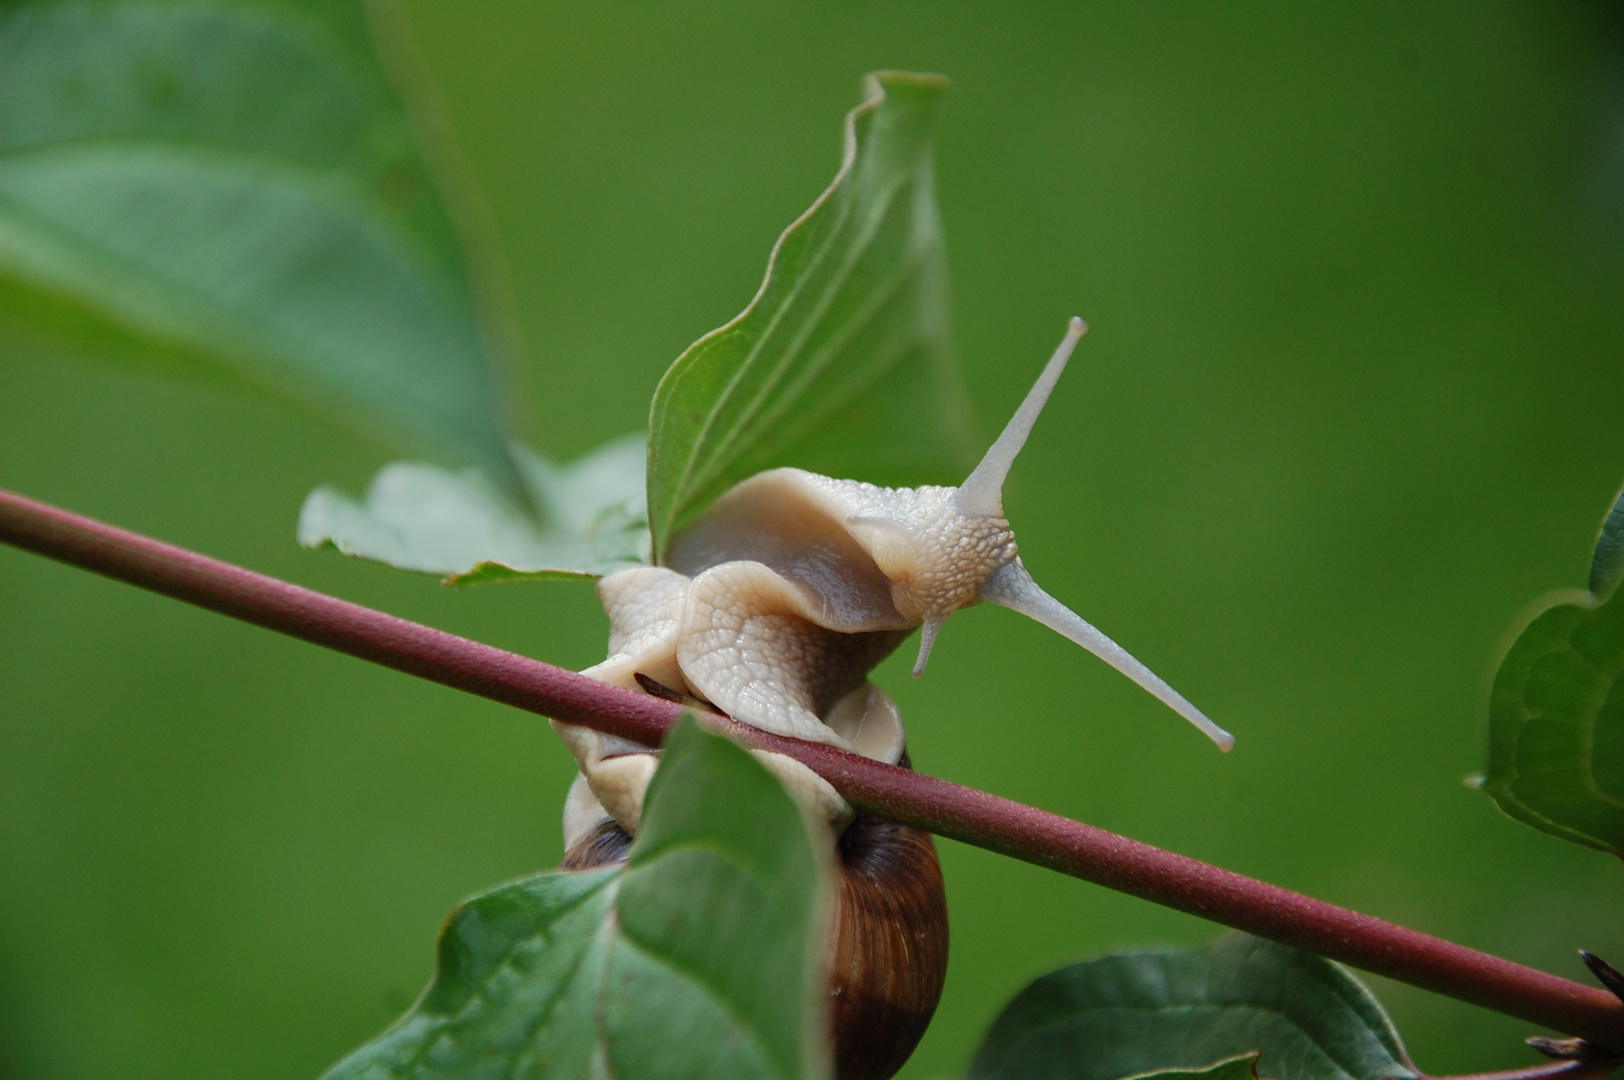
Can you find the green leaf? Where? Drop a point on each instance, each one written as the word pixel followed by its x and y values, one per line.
pixel 1240 1067
pixel 1556 709
pixel 464 528
pixel 238 186
pixel 1152 1012
pixel 843 361
pixel 700 959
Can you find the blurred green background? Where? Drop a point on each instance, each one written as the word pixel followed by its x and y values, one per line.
pixel 1350 402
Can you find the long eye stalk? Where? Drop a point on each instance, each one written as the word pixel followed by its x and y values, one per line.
pixel 982 493
pixel 1012 587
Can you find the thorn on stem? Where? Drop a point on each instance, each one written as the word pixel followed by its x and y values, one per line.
pixel 1605 973
pixel 1571 1049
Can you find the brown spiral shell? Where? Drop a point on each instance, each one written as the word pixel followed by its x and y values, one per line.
pixel 887 946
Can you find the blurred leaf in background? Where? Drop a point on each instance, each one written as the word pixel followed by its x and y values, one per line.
pixel 1556 713
pixel 239 185
pixel 583 520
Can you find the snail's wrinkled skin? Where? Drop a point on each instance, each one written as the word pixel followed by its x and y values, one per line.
pixel 750 642
pixel 780 598
pixel 774 606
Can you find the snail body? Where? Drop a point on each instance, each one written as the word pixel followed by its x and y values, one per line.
pixel 773 607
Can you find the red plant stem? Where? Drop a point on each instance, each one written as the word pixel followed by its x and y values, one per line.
pixel 959 813
pixel 1551 1070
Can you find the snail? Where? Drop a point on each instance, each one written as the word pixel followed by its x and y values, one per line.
pixel 773 607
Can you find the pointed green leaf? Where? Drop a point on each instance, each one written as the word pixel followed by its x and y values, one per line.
pixel 590 519
pixel 843 362
pixel 1153 1012
pixel 1556 709
pixel 237 185
pixel 699 960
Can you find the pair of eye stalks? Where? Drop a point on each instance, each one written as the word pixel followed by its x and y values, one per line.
pixel 774 606
pixel 970 541
pixel 776 603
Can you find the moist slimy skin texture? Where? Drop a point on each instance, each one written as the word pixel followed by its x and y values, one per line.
pixel 778 601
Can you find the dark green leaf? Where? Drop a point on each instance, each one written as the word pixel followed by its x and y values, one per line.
pixel 1556 710
pixel 237 185
pixel 1240 1067
pixel 842 363
pixel 1158 1011
pixel 419 517
pixel 698 960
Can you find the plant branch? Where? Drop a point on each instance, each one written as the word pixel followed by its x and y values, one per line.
pixel 1552 1070
pixel 950 810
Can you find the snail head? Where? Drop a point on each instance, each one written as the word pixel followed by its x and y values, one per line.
pixel 949 548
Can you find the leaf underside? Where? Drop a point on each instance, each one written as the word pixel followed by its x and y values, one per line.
pixel 622 972
pixel 1556 709
pixel 238 187
pixel 587 518
pixel 842 363
pixel 1158 1012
